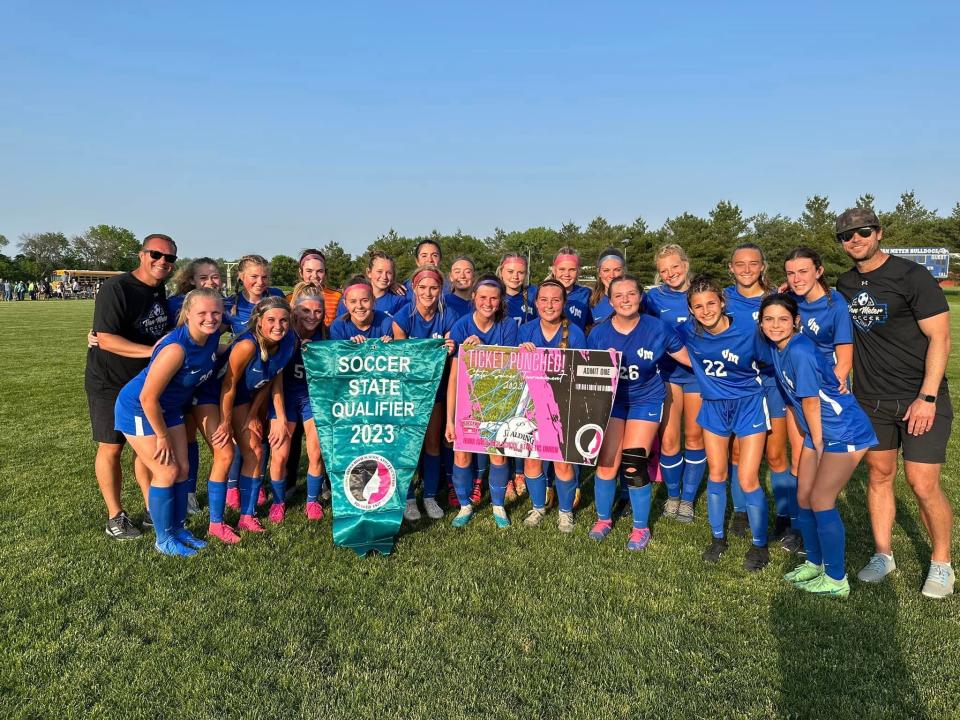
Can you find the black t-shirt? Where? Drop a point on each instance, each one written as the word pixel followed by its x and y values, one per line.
pixel 889 350
pixel 127 307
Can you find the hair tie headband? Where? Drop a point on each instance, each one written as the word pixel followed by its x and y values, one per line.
pixel 489 281
pixel 356 286
pixel 567 258
pixel 311 256
pixel 426 271
pixel 611 256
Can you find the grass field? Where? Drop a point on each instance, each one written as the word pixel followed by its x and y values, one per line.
pixel 476 623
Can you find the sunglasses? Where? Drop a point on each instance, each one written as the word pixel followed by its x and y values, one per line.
pixel 156 255
pixel 863 232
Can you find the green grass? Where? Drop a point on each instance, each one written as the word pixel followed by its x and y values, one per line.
pixel 474 623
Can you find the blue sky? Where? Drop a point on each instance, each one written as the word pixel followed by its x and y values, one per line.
pixel 240 127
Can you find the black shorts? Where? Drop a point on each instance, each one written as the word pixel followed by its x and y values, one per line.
pixel 101 405
pixel 886 416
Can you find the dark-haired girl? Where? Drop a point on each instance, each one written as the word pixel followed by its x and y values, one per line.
pixel 637 408
pixel 488 324
pixel 551 330
pixel 724 353
pixel 836 436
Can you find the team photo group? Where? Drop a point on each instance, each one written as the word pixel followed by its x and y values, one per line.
pixel 717 378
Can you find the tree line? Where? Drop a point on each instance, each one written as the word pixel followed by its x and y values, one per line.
pixel 709 241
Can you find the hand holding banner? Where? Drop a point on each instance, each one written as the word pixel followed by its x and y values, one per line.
pixel 371 403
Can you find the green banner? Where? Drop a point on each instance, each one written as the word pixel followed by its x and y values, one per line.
pixel 371 403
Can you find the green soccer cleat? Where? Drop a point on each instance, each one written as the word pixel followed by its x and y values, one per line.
pixel 803 573
pixel 826 585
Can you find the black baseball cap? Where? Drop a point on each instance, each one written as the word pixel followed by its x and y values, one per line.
pixel 854 218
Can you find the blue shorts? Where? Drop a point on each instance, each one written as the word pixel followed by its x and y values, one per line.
pixel 776 403
pixel 689 385
pixel 133 424
pixel 297 407
pixel 741 417
pixel 842 446
pixel 651 412
pixel 208 392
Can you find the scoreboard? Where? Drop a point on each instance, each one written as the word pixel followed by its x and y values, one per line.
pixel 936 260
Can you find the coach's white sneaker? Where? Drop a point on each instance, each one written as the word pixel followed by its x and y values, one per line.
pixel 434 511
pixel 939 582
pixel 877 569
pixel 411 512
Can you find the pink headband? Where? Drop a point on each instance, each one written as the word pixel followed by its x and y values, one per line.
pixel 311 256
pixel 567 258
pixel 426 271
pixel 357 286
pixel 515 258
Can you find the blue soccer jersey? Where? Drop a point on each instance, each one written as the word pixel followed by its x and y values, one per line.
pixel 803 371
pixel 726 364
pixel 522 307
pixel 641 350
pixel 343 328
pixel 413 324
pixel 670 306
pixel 389 303
pixel 241 308
pixel 259 373
pixel 198 366
pixel 456 303
pixel 578 306
pixel 532 332
pixel 826 321
pixel 602 310
pixel 502 333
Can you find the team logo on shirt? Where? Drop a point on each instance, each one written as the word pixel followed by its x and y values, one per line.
pixel 866 312
pixel 645 354
pixel 369 482
pixel 154 322
pixel 814 327
pixel 787 380
pixel 574 310
pixel 730 356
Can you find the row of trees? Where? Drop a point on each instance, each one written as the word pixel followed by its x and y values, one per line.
pixel 709 241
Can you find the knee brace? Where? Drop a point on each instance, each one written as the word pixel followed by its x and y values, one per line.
pixel 633 467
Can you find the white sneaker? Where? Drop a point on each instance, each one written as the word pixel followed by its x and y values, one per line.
pixel 877 569
pixel 565 522
pixel 939 582
pixel 411 513
pixel 534 517
pixel 434 511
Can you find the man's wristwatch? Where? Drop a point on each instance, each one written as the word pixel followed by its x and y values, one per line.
pixel 927 398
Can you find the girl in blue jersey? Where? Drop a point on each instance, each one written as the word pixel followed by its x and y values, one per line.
pixel 566 269
pixel 724 354
pixel 388 296
pixel 462 274
pixel 637 407
pixel 610 265
pixel 306 320
pixel 488 324
pixel 426 317
pixel 150 413
pixel 682 473
pixel 749 269
pixel 550 330
pixel 253 379
pixel 361 321
pixel 199 273
pixel 426 252
pixel 837 434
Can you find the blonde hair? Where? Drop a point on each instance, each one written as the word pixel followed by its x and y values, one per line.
pixel 567 250
pixel 302 292
pixel 192 297
pixel 248 261
pixel 183 279
pixel 259 310
pixel 666 251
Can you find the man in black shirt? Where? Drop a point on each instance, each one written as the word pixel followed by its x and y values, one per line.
pixel 900 351
pixel 129 316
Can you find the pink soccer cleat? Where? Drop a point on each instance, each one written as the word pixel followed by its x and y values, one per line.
pixel 277 512
pixel 261 497
pixel 223 532
pixel 250 524
pixel 314 511
pixel 233 498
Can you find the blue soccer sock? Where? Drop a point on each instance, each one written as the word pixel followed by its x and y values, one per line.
pixel 537 487
pixel 736 492
pixel 193 461
pixel 640 504
pixel 314 487
pixel 499 476
pixel 833 540
pixel 179 516
pixel 463 483
pixel 216 499
pixel 671 470
pixel 716 506
pixel 481 464
pixel 794 504
pixel 784 485
pixel 279 490
pixel 160 502
pixel 694 465
pixel 757 515
pixel 566 493
pixel 807 525
pixel 249 489
pixel 604 491
pixel 430 475
pixel 447 455
pixel 233 475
